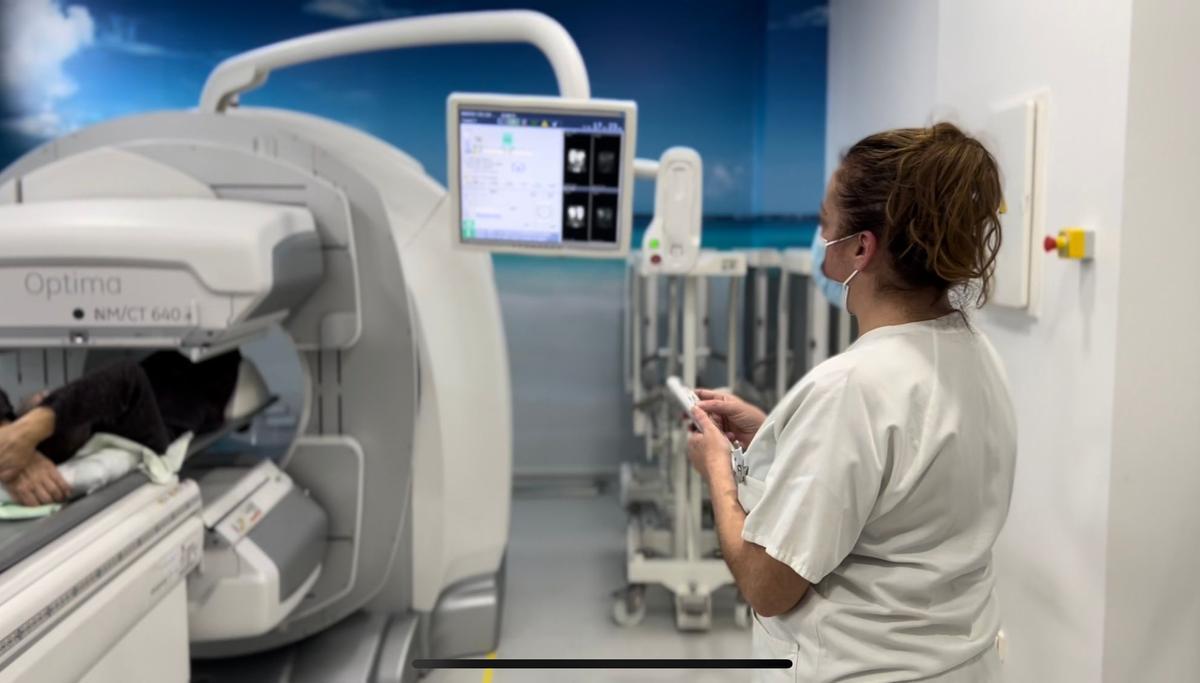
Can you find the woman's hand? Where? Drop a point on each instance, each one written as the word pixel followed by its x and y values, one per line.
pixel 733 416
pixel 708 449
pixel 40 483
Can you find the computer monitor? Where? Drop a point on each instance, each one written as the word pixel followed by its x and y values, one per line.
pixel 541 175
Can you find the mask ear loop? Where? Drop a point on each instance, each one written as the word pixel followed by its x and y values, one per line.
pixel 846 284
pixel 840 239
pixel 846 293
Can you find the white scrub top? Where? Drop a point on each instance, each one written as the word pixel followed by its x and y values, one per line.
pixel 883 478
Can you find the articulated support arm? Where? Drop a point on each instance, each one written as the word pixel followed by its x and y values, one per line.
pixel 247 71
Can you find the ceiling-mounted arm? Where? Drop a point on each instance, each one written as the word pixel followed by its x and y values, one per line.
pixel 247 71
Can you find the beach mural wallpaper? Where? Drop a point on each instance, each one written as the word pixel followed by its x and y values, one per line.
pixel 742 82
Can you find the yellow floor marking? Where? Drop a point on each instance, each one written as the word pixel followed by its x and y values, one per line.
pixel 487 673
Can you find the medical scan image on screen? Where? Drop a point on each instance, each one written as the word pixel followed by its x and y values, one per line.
pixel 529 178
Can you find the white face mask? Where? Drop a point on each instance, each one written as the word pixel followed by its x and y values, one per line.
pixel 838 293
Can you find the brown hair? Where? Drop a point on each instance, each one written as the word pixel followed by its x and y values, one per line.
pixel 931 196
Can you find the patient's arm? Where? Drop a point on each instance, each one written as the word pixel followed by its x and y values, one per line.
pixel 32 401
pixel 40 483
pixel 19 440
pixel 116 399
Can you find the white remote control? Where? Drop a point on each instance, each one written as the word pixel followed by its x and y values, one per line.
pixel 686 397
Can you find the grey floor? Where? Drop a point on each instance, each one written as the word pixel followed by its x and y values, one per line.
pixel 566 557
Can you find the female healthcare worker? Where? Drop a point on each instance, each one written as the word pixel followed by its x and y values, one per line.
pixel 861 531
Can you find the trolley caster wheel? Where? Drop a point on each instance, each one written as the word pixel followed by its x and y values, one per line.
pixel 741 614
pixel 693 612
pixel 629 606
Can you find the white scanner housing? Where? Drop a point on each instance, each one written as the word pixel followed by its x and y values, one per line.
pixel 192 273
pixel 196 232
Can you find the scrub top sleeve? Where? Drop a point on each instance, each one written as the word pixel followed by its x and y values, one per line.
pixel 822 483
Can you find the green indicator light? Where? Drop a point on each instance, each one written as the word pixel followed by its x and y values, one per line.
pixel 654 244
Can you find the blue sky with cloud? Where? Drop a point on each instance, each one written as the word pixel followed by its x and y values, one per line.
pixel 742 82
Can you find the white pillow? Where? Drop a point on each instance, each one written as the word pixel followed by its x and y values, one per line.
pixel 249 393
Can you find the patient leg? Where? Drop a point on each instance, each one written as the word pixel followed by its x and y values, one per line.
pixel 116 399
pixel 192 397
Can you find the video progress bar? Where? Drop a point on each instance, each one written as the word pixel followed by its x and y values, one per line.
pixel 430 664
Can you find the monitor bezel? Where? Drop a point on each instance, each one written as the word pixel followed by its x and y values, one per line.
pixel 548 106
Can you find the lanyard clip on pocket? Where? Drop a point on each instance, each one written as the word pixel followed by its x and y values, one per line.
pixel 738 461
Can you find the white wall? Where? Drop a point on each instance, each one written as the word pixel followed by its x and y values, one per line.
pixel 1052 554
pixel 882 69
pixel 1153 608
pixel 1051 557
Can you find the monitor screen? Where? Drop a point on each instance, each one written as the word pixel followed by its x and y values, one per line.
pixel 542 178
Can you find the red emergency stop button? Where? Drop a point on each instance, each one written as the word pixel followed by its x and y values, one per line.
pixel 1050 243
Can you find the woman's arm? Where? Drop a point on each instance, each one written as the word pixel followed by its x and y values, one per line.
pixel 770 586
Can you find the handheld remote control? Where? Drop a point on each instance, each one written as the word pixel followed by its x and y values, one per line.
pixel 686 398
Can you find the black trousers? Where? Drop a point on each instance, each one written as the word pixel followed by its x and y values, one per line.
pixel 151 402
pixel 116 399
